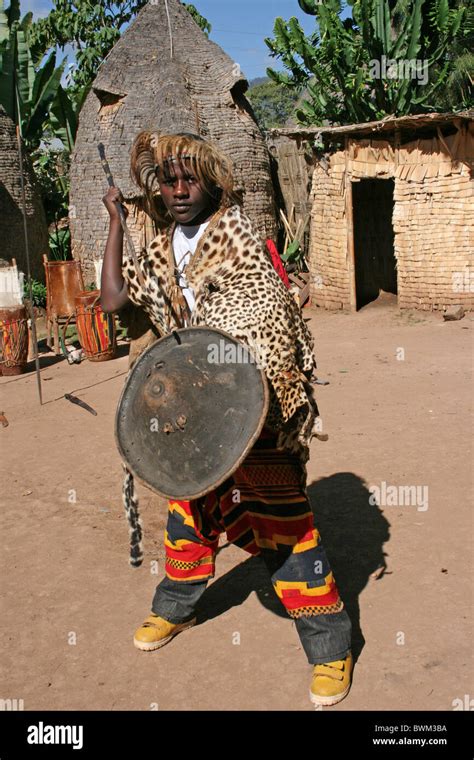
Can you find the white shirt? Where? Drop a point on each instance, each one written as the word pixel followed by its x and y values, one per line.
pixel 185 240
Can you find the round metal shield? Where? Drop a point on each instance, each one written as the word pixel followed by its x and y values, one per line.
pixel 191 409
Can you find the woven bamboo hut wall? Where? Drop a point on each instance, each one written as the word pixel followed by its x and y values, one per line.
pixel 11 207
pixel 430 161
pixel 294 176
pixel 167 77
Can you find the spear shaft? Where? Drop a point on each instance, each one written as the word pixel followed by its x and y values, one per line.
pixel 123 221
pixel 27 250
pixel 128 237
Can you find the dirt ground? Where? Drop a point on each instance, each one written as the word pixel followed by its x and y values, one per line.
pixel 397 410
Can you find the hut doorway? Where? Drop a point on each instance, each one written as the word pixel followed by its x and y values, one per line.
pixel 374 256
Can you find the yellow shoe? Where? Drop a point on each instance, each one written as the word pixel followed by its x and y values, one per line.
pixel 331 681
pixel 156 632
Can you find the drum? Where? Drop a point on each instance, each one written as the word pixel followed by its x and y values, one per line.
pixel 13 340
pixel 95 329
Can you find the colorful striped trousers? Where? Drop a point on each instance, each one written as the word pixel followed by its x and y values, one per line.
pixel 263 508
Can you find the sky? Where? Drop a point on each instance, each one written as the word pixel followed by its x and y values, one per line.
pixel 238 27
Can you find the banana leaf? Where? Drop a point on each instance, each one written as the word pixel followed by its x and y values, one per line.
pixel 46 85
pixel 63 118
pixel 22 68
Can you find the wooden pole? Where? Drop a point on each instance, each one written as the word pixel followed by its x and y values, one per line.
pixel 350 255
pixel 27 250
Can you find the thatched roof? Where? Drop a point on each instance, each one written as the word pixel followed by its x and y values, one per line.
pixel 149 81
pixel 390 124
pixel 11 208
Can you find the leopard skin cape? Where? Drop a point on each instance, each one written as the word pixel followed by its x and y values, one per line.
pixel 237 290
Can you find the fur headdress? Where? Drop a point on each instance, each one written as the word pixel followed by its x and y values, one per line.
pixel 153 157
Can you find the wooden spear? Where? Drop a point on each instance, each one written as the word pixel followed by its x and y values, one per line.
pixel 128 237
pixel 27 251
pixel 123 221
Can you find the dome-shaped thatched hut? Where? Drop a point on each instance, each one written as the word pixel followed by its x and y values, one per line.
pixel 11 213
pixel 165 76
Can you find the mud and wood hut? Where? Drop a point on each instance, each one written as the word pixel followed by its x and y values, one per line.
pixel 163 74
pixel 392 210
pixel 11 205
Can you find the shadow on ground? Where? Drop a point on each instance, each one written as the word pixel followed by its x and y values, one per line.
pixel 353 533
pixel 48 358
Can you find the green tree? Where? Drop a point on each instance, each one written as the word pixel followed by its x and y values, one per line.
pixel 34 98
pixel 273 103
pixel 202 22
pixel 391 57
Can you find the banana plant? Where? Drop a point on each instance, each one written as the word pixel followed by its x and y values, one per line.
pixel 25 93
pixel 64 115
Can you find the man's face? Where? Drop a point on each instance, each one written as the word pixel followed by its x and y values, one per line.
pixel 182 194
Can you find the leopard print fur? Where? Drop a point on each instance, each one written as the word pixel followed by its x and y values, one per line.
pixel 238 290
